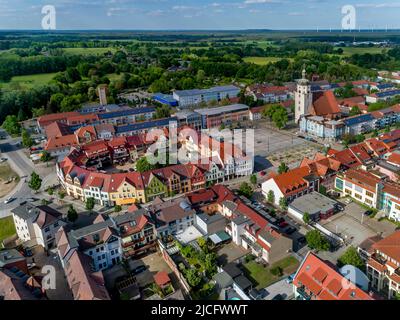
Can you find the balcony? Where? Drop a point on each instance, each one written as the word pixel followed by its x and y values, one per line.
pixel 303 295
pixel 379 259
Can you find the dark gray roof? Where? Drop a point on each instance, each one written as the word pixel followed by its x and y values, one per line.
pixel 243 283
pixel 232 270
pixel 240 219
pixel 223 280
pixel 207 219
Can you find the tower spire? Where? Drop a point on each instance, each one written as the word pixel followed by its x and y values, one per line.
pixel 304 73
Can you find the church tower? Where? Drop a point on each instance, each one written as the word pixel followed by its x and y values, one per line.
pixel 303 97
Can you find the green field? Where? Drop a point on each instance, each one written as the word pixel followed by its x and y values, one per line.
pixel 27 81
pixel 349 51
pixel 88 51
pixel 262 61
pixel 7 228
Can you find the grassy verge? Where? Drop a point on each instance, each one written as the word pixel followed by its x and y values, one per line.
pixel 7 228
pixel 262 276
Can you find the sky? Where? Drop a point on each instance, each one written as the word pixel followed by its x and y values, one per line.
pixel 199 14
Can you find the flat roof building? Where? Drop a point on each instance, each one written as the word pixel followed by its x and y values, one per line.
pixel 317 205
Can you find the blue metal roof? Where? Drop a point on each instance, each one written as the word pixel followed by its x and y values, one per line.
pixel 387 93
pixel 145 125
pixel 359 119
pixel 195 92
pixel 385 86
pixel 165 98
pixel 127 112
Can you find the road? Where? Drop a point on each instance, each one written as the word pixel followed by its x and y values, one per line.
pixel 23 166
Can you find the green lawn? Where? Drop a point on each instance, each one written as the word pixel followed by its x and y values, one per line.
pixel 27 81
pixel 7 228
pixel 262 60
pixel 348 51
pixel 88 51
pixel 262 277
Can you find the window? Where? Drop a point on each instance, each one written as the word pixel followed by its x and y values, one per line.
pixel 347 191
pixel 369 194
pixel 357 196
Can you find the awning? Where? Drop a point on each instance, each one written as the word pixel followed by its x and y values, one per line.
pixel 220 236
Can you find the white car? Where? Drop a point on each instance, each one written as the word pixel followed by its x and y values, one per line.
pixel 8 200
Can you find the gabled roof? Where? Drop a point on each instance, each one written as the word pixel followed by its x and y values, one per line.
pixel 325 282
pixel 324 103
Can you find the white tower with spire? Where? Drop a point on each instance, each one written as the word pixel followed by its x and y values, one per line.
pixel 303 97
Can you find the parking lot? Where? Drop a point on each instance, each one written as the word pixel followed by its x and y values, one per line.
pixel 354 227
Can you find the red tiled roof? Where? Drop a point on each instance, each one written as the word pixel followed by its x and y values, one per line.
pixel 325 104
pixel 329 285
pixel 161 278
pixel 390 246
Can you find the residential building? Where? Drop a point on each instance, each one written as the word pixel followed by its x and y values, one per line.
pixel 317 279
pixel 383 265
pixel 17 286
pixel 12 258
pixel 37 224
pixel 100 241
pixel 166 99
pixel 171 217
pixel 382 96
pixel 138 233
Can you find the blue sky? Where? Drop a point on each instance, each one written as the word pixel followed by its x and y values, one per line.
pixel 198 14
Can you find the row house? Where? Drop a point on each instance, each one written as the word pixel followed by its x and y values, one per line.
pixel 138 233
pixel 100 241
pixel 253 232
pixel 171 217
pixel 37 224
pixel 383 265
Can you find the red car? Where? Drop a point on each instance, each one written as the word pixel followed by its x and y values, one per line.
pixel 283 224
pixel 262 173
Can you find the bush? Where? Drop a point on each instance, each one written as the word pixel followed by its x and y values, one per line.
pixel 249 258
pixel 277 271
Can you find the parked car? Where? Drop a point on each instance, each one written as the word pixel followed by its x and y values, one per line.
pixel 262 173
pixel 138 270
pixel 283 224
pixel 368 213
pixel 289 279
pixel 290 230
pixel 31 265
pixel 278 297
pixel 8 200
pixel 301 240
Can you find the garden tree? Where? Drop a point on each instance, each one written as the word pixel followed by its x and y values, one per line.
pixel 193 277
pixel 209 263
pixel 38 112
pixel 283 203
pixel 46 157
pixel 11 125
pixel 117 208
pixel 306 218
pixel 27 141
pixel 162 112
pixel 359 138
pixel 315 240
pixel 21 115
pixel 72 215
pixel 70 103
pixel 283 168
pixel 253 179
pixel 351 257
pixel 89 203
pixel 245 190
pixel 221 127
pixel 36 182
pixel 55 102
pixel 202 242
pixel 354 111
pixel 143 165
pixel 271 196
pixel 280 117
